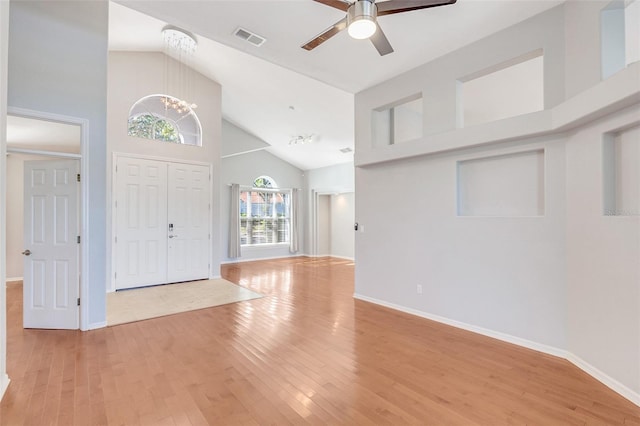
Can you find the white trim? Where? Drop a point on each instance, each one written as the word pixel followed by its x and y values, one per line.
pixel 605 379
pixel 469 327
pixel 44 153
pixel 4 60
pixel 84 197
pixel 14 279
pixel 333 255
pixel 4 384
pixel 118 154
pixel 96 325
pixel 240 260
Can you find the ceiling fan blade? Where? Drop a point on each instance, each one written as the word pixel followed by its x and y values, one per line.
pixel 380 42
pixel 326 34
pixel 397 6
pixel 338 4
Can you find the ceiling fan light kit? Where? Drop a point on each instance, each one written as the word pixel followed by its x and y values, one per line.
pixel 361 20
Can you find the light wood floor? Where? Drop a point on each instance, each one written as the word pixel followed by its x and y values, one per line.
pixel 306 353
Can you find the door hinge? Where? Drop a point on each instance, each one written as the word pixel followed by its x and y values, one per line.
pixel 78 301
pixel 78 239
pixel 116 240
pixel 78 177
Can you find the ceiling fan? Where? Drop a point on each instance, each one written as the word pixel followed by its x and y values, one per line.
pixel 362 23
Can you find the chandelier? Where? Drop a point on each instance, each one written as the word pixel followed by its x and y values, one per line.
pixel 181 45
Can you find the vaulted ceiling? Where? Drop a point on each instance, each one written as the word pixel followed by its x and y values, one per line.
pixel 279 91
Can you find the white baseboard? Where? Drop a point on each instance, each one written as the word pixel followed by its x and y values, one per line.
pixel 575 360
pixel 4 384
pixel 96 325
pixel 13 279
pixel 241 260
pixel 331 255
pixel 610 382
pixel 470 327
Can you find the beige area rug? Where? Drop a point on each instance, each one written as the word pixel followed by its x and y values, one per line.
pixel 151 302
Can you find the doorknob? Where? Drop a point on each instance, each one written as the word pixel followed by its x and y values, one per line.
pixel 173 236
pixel 27 252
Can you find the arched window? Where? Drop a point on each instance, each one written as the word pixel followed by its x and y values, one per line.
pixel 264 182
pixel 165 118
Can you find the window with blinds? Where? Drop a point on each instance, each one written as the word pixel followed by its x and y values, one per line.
pixel 264 214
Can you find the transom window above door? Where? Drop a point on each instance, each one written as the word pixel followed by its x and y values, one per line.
pixel 166 119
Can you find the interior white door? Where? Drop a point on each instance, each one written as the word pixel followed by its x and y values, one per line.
pixel 141 222
pixel 51 266
pixel 189 205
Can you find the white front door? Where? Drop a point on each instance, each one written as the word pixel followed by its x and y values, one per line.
pixel 51 238
pixel 189 207
pixel 162 222
pixel 141 215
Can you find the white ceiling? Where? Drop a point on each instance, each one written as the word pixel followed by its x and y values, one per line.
pixel 261 84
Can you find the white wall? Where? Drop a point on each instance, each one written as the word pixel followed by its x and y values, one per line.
pixel 58 64
pixel 582 44
pixel 4 54
pixel 324 225
pixel 438 80
pixel 500 273
pixel 133 75
pixel 564 281
pixel 243 169
pixel 603 258
pixel 342 221
pixel 236 141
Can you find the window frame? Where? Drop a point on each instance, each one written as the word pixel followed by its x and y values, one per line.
pixel 280 224
pixel 146 106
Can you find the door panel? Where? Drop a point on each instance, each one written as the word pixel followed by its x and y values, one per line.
pixel 141 220
pixel 51 270
pixel 188 206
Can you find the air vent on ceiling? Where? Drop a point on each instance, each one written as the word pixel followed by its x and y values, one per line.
pixel 346 150
pixel 250 37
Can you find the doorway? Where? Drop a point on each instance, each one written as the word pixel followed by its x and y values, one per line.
pixel 45 216
pixel 333 221
pixel 162 222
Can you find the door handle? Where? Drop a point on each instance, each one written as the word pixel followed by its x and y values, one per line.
pixel 173 236
pixel 27 252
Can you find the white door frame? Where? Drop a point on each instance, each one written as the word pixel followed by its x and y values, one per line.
pixel 111 284
pixel 84 195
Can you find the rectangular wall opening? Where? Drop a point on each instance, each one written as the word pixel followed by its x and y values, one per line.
pixel 512 88
pixel 621 173
pixel 399 122
pixel 505 185
pixel 619 36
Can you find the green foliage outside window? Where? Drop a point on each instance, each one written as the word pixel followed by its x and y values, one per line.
pixel 149 126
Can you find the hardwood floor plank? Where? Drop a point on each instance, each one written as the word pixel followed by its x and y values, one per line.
pixel 307 353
